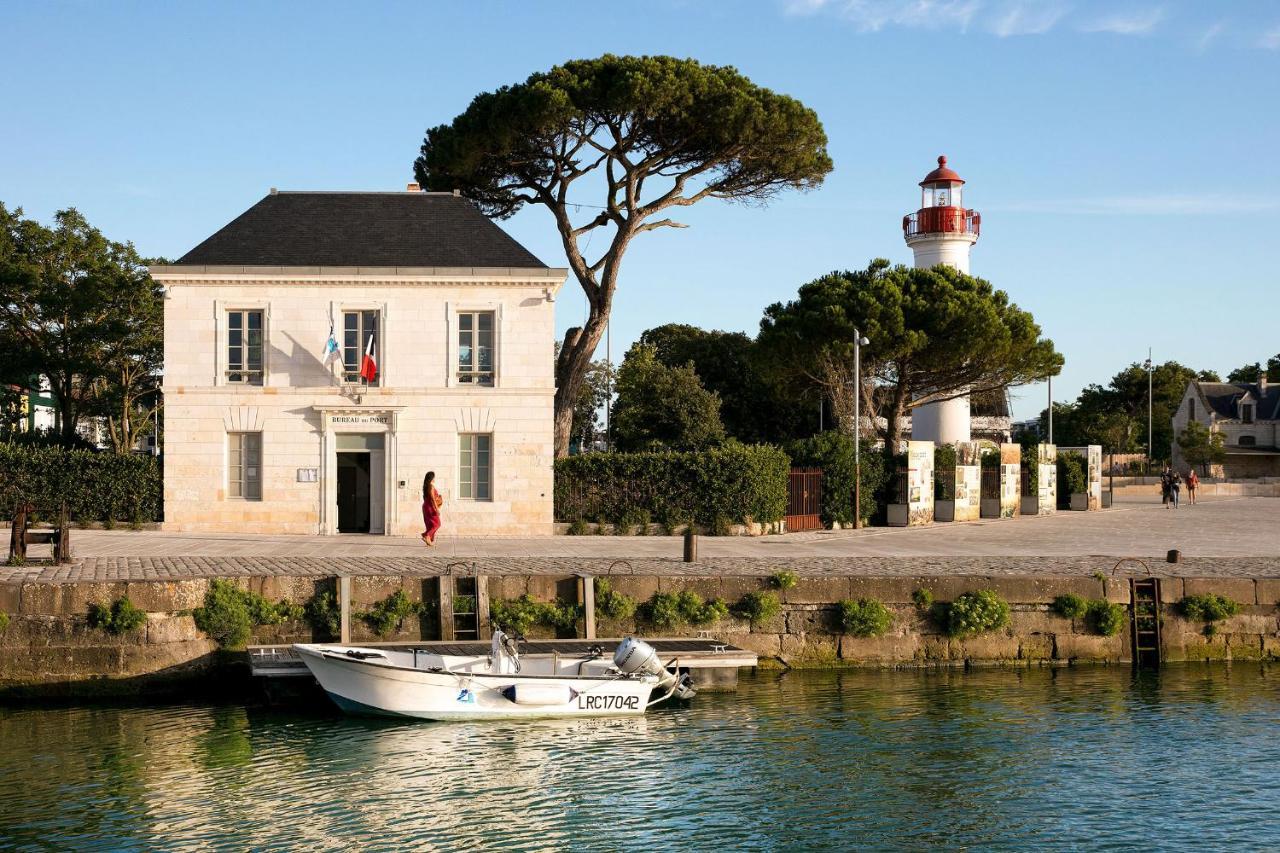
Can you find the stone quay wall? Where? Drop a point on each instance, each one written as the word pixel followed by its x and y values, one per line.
pixel 48 648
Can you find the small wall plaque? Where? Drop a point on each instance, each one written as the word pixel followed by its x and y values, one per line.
pixel 308 475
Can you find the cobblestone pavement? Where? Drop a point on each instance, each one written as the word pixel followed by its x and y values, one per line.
pixel 1225 537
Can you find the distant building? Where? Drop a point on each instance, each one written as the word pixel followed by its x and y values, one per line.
pixel 1246 414
pixel 324 350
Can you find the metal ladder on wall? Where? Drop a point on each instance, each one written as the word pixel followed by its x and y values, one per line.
pixel 1144 593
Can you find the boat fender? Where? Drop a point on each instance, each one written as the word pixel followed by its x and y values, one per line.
pixel 540 694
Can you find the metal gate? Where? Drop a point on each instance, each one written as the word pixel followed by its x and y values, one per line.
pixel 804 499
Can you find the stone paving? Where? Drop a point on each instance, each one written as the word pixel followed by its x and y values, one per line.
pixel 1237 537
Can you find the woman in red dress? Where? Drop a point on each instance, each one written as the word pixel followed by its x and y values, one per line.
pixel 431 502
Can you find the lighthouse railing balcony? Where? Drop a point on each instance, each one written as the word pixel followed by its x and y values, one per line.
pixel 942 220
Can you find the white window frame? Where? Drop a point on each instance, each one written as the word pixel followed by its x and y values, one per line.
pixel 236 439
pixel 452 312
pixel 472 468
pixel 222 340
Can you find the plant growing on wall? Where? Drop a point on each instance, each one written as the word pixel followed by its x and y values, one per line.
pixel 784 580
pixel 4 621
pixel 230 613
pixel 1070 606
pixel 759 607
pixel 1208 607
pixel 975 613
pixel 388 615
pixel 667 610
pixel 1105 618
pixel 324 614
pixel 520 615
pixel 922 598
pixel 865 617
pixel 119 617
pixel 612 604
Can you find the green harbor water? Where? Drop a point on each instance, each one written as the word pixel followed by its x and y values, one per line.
pixel 1081 758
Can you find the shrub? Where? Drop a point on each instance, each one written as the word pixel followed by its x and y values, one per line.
pixel 672 610
pixel 922 599
pixel 832 451
pixel 601 527
pixel 324 614
pixel 4 621
pixel 977 613
pixel 1071 478
pixel 229 613
pixel 1105 618
pixel 759 607
pixel 865 617
pixel 736 480
pixel 120 617
pixel 944 468
pixel 612 604
pixel 674 523
pixel 1031 464
pixel 96 485
pixel 520 615
pixel 785 579
pixel 721 525
pixel 1208 607
pixel 1070 606
pixel 578 527
pixel 389 614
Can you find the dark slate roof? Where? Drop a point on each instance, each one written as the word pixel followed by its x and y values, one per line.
pixel 1222 397
pixel 352 229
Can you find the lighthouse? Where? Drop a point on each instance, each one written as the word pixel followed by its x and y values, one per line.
pixel 942 231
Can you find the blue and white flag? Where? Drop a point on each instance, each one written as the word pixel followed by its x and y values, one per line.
pixel 331 353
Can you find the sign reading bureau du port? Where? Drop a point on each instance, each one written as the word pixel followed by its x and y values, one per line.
pixel 360 419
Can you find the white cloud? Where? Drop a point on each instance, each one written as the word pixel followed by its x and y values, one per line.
pixel 1209 35
pixel 1025 19
pixel 876 15
pixel 1207 204
pixel 1135 23
pixel 1270 40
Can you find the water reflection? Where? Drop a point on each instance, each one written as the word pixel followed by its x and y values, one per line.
pixel 833 760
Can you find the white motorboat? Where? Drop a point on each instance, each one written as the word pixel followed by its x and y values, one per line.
pixel 501 685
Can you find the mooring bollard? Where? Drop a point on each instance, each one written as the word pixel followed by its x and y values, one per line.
pixel 690 545
pixel 1174 556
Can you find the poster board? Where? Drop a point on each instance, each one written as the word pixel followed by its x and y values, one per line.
pixel 919 483
pixel 1047 458
pixel 1094 476
pixel 968 481
pixel 1010 479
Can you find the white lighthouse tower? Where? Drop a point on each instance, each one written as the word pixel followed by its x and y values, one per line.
pixel 941 232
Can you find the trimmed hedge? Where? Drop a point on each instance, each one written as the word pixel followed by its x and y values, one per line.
pixel 736 481
pixel 97 486
pixel 832 451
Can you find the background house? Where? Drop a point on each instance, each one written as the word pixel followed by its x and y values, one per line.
pixel 1247 414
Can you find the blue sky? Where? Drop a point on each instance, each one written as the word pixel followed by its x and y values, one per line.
pixel 1123 155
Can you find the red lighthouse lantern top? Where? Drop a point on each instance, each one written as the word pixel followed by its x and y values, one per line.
pixel 942 208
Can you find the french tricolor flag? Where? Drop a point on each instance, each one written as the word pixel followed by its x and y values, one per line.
pixel 369 364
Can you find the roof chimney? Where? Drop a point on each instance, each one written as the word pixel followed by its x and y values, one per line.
pixel 412 187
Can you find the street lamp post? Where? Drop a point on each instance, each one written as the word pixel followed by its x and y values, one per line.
pixel 858 343
pixel 1150 368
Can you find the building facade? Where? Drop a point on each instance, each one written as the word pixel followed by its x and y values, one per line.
pixel 323 351
pixel 1246 414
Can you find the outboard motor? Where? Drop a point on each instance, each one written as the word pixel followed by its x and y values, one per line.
pixel 636 657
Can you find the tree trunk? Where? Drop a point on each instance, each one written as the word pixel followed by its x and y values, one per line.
pixel 893 420
pixel 571 371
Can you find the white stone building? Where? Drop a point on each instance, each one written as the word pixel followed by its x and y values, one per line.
pixel 1247 414
pixel 266 433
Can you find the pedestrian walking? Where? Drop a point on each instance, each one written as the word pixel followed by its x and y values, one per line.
pixel 431 503
pixel 1166 487
pixel 1175 486
pixel 1192 482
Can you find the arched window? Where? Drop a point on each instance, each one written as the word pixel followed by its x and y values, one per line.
pixel 1247 441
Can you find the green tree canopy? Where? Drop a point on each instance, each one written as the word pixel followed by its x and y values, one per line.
pixel 935 334
pixel 83 311
pixel 1201 447
pixel 662 408
pixel 1251 372
pixel 653 133
pixel 753 409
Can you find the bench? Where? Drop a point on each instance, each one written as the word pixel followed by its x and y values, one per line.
pixel 22 534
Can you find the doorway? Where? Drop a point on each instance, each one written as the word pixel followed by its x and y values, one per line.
pixel 353 491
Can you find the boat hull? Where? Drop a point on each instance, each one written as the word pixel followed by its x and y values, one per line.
pixel 371 687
